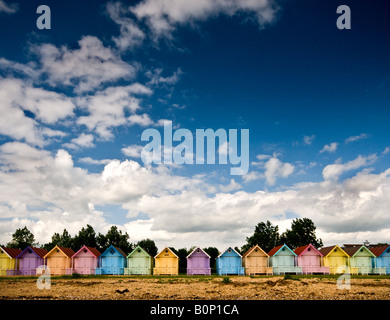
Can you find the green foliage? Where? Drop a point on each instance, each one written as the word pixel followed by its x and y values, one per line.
pixel 182 254
pixel 86 236
pixel 21 239
pixel 302 233
pixel 226 280
pixel 213 253
pixel 149 246
pixel 265 235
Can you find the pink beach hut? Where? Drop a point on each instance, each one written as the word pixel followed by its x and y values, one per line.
pixel 85 261
pixel 310 259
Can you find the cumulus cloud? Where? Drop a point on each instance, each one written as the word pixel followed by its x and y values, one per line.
pixel 85 68
pixel 308 139
pixel 130 34
pixel 107 109
pixel 274 168
pixel 333 171
pixel 133 151
pixel 45 107
pixel 330 147
pixel 163 16
pixel 82 141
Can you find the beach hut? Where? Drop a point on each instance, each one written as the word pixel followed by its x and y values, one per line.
pixel 29 260
pixel 139 262
pixel 361 257
pixel 198 262
pixel 229 262
pixel 283 260
pixel 166 263
pixel 112 261
pixel 256 261
pixel 381 262
pixel 336 259
pixel 85 261
pixel 59 259
pixel 310 259
pixel 8 260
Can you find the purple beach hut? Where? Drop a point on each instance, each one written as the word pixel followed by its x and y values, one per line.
pixel 198 262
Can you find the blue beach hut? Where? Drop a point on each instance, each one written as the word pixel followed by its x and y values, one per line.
pixel 112 261
pixel 381 262
pixel 229 262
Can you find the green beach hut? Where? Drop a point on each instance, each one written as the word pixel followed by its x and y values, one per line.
pixel 360 259
pixel 139 262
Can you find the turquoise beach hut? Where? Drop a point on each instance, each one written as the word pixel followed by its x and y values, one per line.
pixel 381 262
pixel 283 260
pixel 229 262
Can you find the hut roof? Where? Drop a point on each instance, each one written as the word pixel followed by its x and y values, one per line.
pixel 11 252
pixel 227 250
pixel 139 247
pixel 252 248
pixel 38 251
pixel 166 248
pixel 92 250
pixel 327 250
pixel 378 250
pixel 276 250
pixel 66 251
pixel 300 250
pixel 200 250
pixel 351 250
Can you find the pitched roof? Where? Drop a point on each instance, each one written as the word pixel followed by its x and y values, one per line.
pixel 326 250
pixel 251 249
pixel 228 249
pixel 164 250
pixel 94 251
pixel 378 250
pixel 138 247
pixel 274 250
pixel 351 250
pixel 200 250
pixel 12 253
pixel 300 250
pixel 39 251
pixel 67 251
pixel 117 249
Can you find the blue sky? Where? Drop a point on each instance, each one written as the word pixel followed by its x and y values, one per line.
pixel 75 100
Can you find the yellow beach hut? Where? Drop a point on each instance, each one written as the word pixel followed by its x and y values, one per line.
pixel 59 259
pixel 7 260
pixel 166 263
pixel 336 259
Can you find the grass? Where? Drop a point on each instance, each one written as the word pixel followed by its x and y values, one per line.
pixel 226 280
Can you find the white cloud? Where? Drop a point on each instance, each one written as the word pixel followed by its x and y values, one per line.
pixel 130 34
pixel 8 8
pixel 308 139
pixel 356 138
pixel 274 168
pixel 156 77
pixel 89 160
pixel 232 186
pixel 46 106
pixel 330 147
pixel 82 141
pixel 132 151
pixel 49 193
pixel 386 151
pixel 85 68
pixel 162 16
pixel 333 171
pixel 107 109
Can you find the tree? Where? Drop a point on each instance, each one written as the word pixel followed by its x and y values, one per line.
pixel 61 240
pixel 265 235
pixel 21 239
pixel 149 246
pixel 302 233
pixel 86 236
pixel 116 238
pixel 213 253
pixel 182 254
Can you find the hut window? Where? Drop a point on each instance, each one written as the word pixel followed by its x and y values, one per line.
pixel 85 250
pixel 255 250
pixel 112 251
pixel 198 251
pixel 166 251
pixel 283 249
pixel 29 251
pixel 308 249
pixel 139 250
pixel 58 250
pixel 1 251
pixel 335 250
pixel 388 250
pixel 229 250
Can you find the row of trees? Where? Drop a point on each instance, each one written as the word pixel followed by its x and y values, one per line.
pixel 266 235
